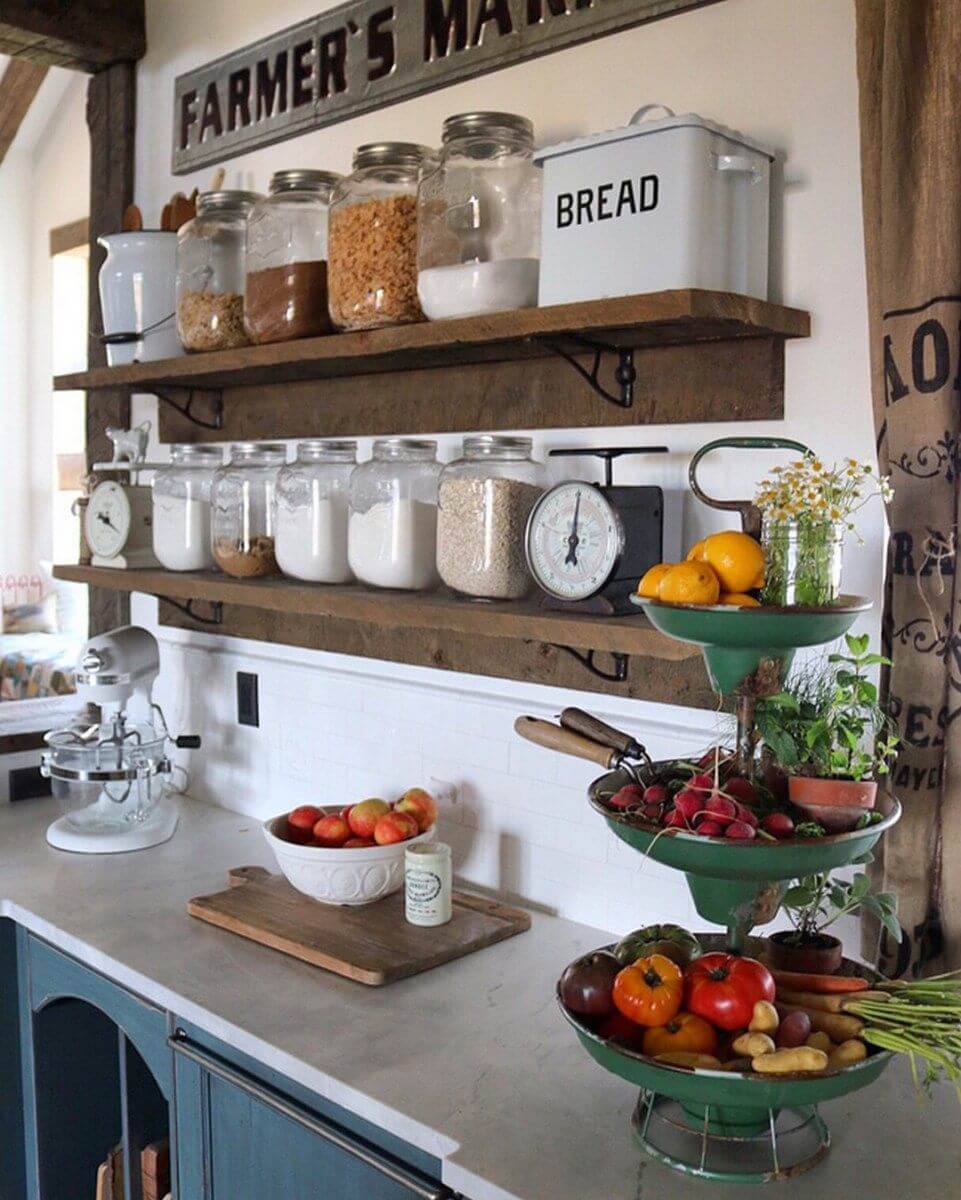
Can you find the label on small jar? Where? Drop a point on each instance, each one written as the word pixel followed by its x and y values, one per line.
pixel 428 884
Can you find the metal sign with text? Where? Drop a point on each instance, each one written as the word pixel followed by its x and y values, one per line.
pixel 367 53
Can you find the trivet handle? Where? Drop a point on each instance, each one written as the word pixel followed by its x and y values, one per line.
pixel 750 513
pixel 579 721
pixel 564 741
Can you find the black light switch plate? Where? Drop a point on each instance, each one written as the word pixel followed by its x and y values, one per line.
pixel 248 707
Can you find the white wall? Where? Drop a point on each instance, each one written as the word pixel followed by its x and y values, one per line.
pixel 333 728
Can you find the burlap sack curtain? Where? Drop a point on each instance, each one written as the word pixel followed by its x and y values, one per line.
pixel 909 75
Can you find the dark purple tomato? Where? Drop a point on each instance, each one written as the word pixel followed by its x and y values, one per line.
pixel 588 983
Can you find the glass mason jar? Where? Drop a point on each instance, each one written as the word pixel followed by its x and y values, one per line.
pixel 181 508
pixel 392 535
pixel 286 291
pixel 484 501
pixel 311 508
pixel 373 238
pixel 242 509
pixel 802 562
pixel 210 272
pixel 479 218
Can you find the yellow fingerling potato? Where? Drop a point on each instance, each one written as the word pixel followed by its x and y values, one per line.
pixel 848 1053
pixel 753 1045
pixel 789 1062
pixel 764 1019
pixel 820 1041
pixel 688 1058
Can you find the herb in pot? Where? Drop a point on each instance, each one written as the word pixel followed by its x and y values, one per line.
pixel 814 903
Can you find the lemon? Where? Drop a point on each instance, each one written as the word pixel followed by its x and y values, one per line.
pixel 740 599
pixel 696 552
pixel 689 583
pixel 737 559
pixel 648 586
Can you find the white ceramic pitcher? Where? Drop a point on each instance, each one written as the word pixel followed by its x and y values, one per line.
pixel 137 295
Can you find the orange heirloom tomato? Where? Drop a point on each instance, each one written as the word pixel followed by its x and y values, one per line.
pixel 649 992
pixel 683 1032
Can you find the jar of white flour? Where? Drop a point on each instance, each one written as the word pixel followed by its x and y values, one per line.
pixel 181 508
pixel 311 505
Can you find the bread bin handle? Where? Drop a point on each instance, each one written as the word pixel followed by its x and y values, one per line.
pixel 645 111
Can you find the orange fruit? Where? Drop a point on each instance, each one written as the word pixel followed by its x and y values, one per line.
pixel 652 579
pixel 689 583
pixel 737 559
pixel 740 599
pixel 696 552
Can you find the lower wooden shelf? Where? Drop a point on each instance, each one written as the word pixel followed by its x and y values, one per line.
pixel 434 629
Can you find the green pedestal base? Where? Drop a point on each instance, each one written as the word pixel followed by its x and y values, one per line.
pixel 727 1122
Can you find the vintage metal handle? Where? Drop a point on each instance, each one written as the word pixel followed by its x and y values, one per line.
pixel 419 1186
pixel 750 514
pixel 564 741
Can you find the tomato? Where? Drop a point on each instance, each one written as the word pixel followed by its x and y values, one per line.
pixel 723 988
pixel 615 1027
pixel 649 991
pixel 683 1032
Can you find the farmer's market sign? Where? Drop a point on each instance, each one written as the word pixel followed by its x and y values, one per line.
pixel 365 54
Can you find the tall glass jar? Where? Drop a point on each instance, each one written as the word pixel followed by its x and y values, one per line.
pixel 392 536
pixel 181 508
pixel 312 504
pixel 373 238
pixel 210 272
pixel 485 498
pixel 242 509
pixel 286 292
pixel 479 218
pixel 802 562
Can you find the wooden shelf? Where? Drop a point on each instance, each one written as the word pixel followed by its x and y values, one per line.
pixel 513 641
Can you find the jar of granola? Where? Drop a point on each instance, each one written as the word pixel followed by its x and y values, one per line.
pixel 242 509
pixel 210 272
pixel 372 265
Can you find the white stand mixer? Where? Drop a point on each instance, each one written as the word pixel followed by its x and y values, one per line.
pixel 111 778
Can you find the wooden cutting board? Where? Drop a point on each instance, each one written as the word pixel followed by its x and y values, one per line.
pixel 370 943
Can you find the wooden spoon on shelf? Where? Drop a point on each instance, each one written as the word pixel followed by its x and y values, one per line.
pixel 132 220
pixel 181 211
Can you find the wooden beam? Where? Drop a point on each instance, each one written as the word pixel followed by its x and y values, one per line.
pixel 19 85
pixel 70 237
pixel 84 35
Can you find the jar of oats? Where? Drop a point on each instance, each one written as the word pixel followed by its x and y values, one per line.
pixel 211 271
pixel 372 264
pixel 484 500
pixel 242 509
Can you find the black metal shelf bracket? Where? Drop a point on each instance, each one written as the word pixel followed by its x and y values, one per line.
pixel 186 410
pixel 216 610
pixel 625 373
pixel 621 663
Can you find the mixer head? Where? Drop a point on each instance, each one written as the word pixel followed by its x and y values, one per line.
pixel 117 665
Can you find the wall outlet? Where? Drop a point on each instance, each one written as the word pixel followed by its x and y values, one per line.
pixel 248 706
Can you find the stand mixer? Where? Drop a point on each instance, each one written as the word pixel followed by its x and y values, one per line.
pixel 111 778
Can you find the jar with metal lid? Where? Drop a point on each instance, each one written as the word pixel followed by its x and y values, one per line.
pixel 242 509
pixel 485 499
pixel 373 238
pixel 210 272
pixel 286 291
pixel 392 534
pixel 478 218
pixel 311 508
pixel 181 508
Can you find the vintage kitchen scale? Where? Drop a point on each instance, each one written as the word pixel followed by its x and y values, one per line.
pixel 588 544
pixel 726 1126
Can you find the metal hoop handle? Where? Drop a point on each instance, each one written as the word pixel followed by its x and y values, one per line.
pixel 750 513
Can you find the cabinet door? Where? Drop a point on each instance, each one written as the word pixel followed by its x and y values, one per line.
pixel 239 1139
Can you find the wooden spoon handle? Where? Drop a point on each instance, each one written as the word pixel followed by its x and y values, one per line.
pixel 132 221
pixel 564 741
pixel 591 727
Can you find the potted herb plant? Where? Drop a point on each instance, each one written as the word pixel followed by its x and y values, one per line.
pixel 815 903
pixel 832 737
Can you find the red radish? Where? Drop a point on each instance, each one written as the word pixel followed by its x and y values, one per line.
pixel 778 825
pixel 655 793
pixel 704 783
pixel 741 789
pixel 674 820
pixel 652 812
pixel 710 829
pixel 688 803
pixel 740 831
pixel 746 815
pixel 628 796
pixel 721 808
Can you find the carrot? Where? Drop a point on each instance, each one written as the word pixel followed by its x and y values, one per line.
pixel 800 981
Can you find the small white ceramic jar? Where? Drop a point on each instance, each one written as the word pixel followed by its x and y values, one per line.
pixel 428 884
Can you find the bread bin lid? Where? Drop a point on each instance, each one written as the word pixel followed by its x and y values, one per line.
pixel 641 126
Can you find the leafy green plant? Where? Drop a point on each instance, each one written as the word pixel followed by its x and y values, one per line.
pixel 815 902
pixel 830 723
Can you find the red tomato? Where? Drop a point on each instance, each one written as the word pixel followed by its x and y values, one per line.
pixel 723 989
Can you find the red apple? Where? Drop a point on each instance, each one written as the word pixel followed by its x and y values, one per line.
pixel 301 822
pixel 345 811
pixel 395 827
pixel 358 843
pixel 420 805
pixel 331 831
pixel 363 817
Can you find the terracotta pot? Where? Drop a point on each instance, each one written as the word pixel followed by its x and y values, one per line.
pixel 820 956
pixel 836 803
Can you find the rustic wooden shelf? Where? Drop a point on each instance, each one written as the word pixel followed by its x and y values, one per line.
pixel 699 356
pixel 513 641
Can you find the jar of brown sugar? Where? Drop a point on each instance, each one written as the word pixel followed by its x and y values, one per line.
pixel 286 293
pixel 373 238
pixel 242 509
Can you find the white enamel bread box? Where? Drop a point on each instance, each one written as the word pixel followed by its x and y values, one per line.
pixel 663 203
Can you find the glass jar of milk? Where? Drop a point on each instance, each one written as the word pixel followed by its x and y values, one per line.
pixel 181 508
pixel 311 504
pixel 392 534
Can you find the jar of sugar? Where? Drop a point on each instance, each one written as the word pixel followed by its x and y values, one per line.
pixel 181 508
pixel 311 504
pixel 392 531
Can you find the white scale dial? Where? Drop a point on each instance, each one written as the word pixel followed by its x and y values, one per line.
pixel 574 539
pixel 107 520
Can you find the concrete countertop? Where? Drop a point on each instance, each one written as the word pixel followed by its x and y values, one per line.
pixel 470 1062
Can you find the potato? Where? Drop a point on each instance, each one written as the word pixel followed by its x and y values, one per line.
pixel 794 1030
pixel 753 1045
pixel 848 1053
pixel 790 1061
pixel 688 1058
pixel 764 1019
pixel 820 1041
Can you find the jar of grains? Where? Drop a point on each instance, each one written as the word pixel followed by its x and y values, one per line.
pixel 392 535
pixel 242 509
pixel 311 510
pixel 210 272
pixel 286 294
pixel 373 238
pixel 484 501
pixel 479 218
pixel 181 508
